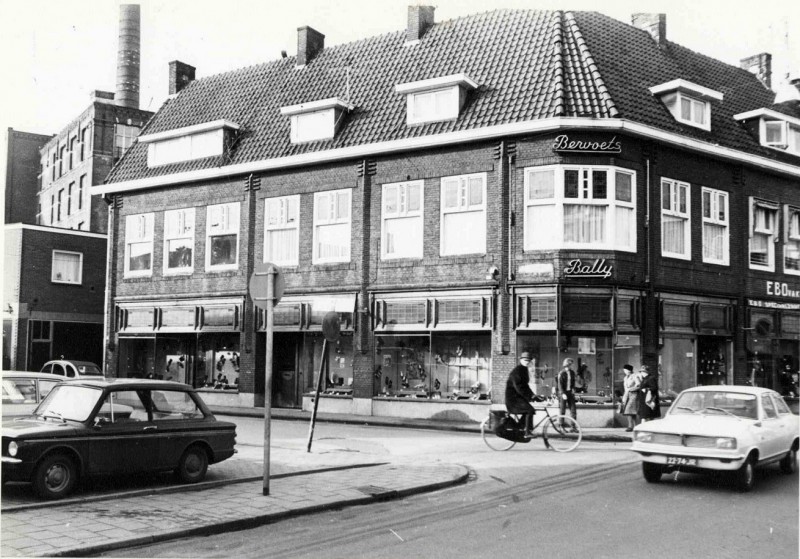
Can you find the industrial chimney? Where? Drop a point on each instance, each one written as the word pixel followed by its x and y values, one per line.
pixel 128 56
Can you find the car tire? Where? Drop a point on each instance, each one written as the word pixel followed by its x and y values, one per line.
pixel 193 465
pixel 652 472
pixel 789 462
pixel 745 477
pixel 55 477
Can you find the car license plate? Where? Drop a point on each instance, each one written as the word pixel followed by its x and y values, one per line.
pixel 681 461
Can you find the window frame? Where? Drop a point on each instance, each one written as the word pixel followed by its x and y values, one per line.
pixel 146 232
pixel 402 213
pixel 715 195
pixel 694 102
pixel 449 111
pixel 53 279
pixel 469 208
pixel 229 230
pixel 283 225
pixel 318 196
pixel 772 208
pixel 181 215
pixel 559 200
pixel 791 214
pixel 675 186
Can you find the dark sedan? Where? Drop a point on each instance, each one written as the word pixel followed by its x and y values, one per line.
pixel 114 426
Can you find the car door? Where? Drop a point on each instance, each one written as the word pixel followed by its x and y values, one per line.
pixel 122 438
pixel 179 422
pixel 772 437
pixel 788 422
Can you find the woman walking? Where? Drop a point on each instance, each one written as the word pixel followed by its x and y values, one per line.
pixel 630 399
pixel 649 404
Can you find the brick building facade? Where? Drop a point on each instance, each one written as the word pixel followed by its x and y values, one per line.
pixel 575 200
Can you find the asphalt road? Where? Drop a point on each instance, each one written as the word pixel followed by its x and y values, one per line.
pixel 589 503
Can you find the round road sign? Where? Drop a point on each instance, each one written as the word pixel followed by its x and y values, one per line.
pixel 330 326
pixel 259 284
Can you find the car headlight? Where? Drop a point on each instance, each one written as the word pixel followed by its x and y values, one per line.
pixel 12 448
pixel 644 436
pixel 726 442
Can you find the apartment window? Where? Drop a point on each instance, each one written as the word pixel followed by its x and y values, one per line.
pixel 763 229
pixel 72 144
pixel 139 245
pixel 402 225
pixel 81 190
pixel 61 154
pixel 715 226
pixel 70 192
pixel 694 111
pixel 123 138
pixel 688 102
pixel 52 208
pixel 39 214
pixel 60 199
pixel 222 237
pixel 463 215
pixel 67 267
pixel 178 240
pixel 332 226
pixel 53 168
pixel 84 142
pixel 675 222
pixel 281 230
pixel 781 135
pixel 580 207
pixel 431 106
pixel 791 247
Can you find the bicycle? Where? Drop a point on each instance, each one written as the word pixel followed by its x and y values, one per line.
pixel 560 433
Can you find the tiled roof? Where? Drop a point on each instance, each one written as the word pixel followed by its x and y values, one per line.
pixel 529 65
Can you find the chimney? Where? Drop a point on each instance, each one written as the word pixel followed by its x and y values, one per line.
pixel 655 24
pixel 128 56
pixel 759 65
pixel 310 43
pixel 180 74
pixel 420 18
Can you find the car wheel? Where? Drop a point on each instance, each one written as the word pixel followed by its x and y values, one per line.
pixel 652 472
pixel 745 477
pixel 193 465
pixel 789 462
pixel 55 476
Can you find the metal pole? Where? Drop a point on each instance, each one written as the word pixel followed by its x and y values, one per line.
pixel 322 363
pixel 268 374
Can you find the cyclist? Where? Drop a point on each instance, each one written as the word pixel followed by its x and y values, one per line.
pixel 519 393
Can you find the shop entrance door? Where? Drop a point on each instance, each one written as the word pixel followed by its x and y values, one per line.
pixel 287 388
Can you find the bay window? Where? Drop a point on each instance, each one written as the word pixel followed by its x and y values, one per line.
pixel 281 230
pixel 332 223
pixel 791 247
pixel 715 226
pixel 580 207
pixel 463 215
pixel 763 228
pixel 222 237
pixel 139 245
pixel 675 221
pixel 178 240
pixel 402 223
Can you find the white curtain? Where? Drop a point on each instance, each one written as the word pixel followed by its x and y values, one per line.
pixel 673 234
pixel 584 224
pixel 541 227
pixel 759 249
pixel 282 246
pixel 713 241
pixel 624 224
pixel 403 237
pixel 463 233
pixel 333 241
pixel 67 267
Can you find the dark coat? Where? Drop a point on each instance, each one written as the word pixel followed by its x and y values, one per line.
pixel 650 382
pixel 518 393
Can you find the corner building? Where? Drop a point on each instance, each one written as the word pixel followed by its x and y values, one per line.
pixel 459 193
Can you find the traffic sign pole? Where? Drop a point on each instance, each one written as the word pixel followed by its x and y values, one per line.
pixel 331 332
pixel 272 272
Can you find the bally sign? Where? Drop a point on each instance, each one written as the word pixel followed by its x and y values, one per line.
pixel 598 269
pixel 565 144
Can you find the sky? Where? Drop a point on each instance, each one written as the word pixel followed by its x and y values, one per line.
pixel 54 53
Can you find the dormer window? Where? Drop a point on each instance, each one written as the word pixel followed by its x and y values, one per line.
pixel 688 102
pixel 317 120
pixel 775 130
pixel 186 144
pixel 436 99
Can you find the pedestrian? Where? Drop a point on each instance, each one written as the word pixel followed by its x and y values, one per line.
pixel 649 404
pixel 630 399
pixel 519 393
pixel 565 385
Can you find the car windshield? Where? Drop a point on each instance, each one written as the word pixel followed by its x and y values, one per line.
pixel 715 402
pixel 69 402
pixel 89 369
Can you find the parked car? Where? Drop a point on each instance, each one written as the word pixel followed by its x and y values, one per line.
pixel 720 428
pixel 23 390
pixel 113 426
pixel 72 369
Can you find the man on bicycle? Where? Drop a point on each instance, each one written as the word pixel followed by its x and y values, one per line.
pixel 519 393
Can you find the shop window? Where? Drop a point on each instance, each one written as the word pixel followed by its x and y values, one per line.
pixel 676 365
pixel 459 311
pixel 463 215
pixel 287 315
pixel 406 313
pixel 139 245
pixel 222 237
pixel 281 230
pixel 675 221
pixel 542 309
pixel 677 315
pixel 712 363
pixel 715 226
pixel 178 240
pixel 40 330
pixel 332 222
pixel 791 246
pixel 763 228
pixel 67 267
pixel 402 224
pixel 218 361
pixel 587 310
pixel 580 207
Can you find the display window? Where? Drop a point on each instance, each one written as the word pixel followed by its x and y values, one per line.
pixel 217 366
pixel 337 371
pixel 712 360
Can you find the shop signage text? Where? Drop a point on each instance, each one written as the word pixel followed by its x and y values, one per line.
pixel 563 143
pixel 774 305
pixel 781 289
pixel 598 269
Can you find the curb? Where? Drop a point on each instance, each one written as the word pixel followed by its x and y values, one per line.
pixel 260 520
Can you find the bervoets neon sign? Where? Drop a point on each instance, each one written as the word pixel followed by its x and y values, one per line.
pixel 598 269
pixel 563 143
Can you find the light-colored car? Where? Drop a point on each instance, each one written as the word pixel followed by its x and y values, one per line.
pixel 22 391
pixel 720 428
pixel 72 369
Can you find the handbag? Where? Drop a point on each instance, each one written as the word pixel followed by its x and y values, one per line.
pixel 650 400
